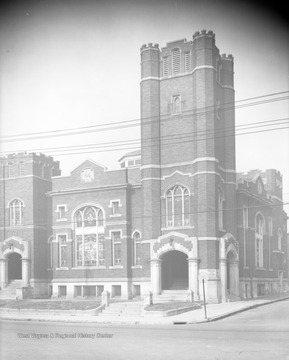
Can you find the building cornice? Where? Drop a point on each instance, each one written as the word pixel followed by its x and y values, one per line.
pixel 83 190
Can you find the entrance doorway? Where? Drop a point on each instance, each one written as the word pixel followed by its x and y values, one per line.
pixel 231 274
pixel 14 267
pixel 175 271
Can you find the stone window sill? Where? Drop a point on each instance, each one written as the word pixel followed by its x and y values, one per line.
pixel 178 227
pixel 100 267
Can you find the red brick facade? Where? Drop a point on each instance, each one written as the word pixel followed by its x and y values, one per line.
pixel 119 230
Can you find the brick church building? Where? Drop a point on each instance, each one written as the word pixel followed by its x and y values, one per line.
pixel 174 214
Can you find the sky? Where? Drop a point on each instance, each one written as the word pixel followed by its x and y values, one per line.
pixel 71 64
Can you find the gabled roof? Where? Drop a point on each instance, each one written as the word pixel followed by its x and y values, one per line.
pixel 131 154
pixel 89 163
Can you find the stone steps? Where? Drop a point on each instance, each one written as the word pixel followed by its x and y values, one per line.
pixel 122 309
pixel 10 291
pixel 171 295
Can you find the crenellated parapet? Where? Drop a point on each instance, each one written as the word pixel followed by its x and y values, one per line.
pixel 149 46
pixel 204 32
pixel 24 163
pixel 227 57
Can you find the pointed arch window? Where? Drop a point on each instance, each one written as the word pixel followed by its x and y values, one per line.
pixel 260 231
pixel 165 66
pixel 280 238
pixel 62 240
pixel 136 249
pixel 89 216
pixel 16 212
pixel 176 61
pixel 89 240
pixel 176 104
pixel 187 61
pixel 221 201
pixel 50 252
pixel 177 206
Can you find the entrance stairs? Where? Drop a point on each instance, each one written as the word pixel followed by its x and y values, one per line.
pixel 10 291
pixel 171 295
pixel 232 298
pixel 124 309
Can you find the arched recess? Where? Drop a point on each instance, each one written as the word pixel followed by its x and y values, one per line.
pixel 14 261
pixel 14 266
pixel 229 266
pixel 174 272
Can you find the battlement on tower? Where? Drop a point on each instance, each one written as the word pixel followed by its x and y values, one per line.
pixel 149 46
pixel 22 164
pixel 204 33
pixel 227 57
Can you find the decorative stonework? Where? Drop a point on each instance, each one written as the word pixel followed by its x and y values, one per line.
pixel 14 244
pixel 174 241
pixel 228 243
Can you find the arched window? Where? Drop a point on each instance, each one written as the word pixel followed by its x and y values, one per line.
pixel 136 248
pixel 50 252
pixel 260 231
pixel 165 66
pixel 177 206
pixel 16 212
pixel 176 61
pixel 89 241
pixel 221 201
pixel 187 61
pixel 280 238
pixel 176 104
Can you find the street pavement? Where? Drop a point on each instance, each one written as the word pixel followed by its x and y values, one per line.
pixel 213 312
pixel 261 333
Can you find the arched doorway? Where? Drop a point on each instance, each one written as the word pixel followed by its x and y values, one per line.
pixel 232 274
pixel 174 271
pixel 14 267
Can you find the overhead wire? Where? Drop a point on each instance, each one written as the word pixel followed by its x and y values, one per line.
pixel 136 122
pixel 135 142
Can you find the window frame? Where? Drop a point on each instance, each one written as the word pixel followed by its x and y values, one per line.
pixel 15 211
pixel 259 241
pixel 59 212
pixel 279 239
pixel 116 242
pixel 82 232
pixel 171 205
pixel 165 60
pixel 113 207
pixel 136 251
pixel 62 246
pixel 176 61
pixel 245 215
pixel 176 109
pixel 187 61
pixel 221 214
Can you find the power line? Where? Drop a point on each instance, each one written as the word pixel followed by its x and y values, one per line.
pixel 135 122
pixel 162 137
pixel 168 144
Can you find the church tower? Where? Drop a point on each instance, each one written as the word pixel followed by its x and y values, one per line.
pixel 188 159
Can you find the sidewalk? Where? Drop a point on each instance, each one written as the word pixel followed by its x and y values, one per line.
pixel 214 312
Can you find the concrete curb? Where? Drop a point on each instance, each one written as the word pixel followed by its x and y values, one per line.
pixel 223 316
pixel 143 321
pixel 167 313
